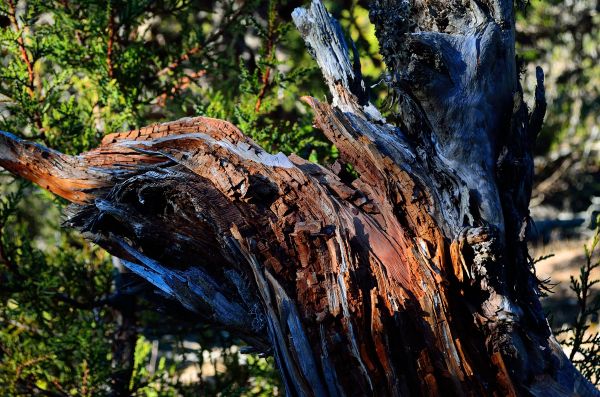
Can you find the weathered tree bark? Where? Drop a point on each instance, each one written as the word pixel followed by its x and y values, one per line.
pixel 412 279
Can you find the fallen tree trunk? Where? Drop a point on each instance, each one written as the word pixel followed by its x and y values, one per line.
pixel 412 279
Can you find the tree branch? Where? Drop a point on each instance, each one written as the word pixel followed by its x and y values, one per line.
pixel 180 85
pixel 110 42
pixel 211 39
pixel 325 41
pixel 12 14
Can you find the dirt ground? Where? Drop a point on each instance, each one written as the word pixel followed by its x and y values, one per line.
pixel 569 256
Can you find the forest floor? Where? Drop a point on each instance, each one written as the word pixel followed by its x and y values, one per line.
pixel 568 257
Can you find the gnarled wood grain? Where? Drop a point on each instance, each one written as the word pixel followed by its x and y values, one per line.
pixel 412 279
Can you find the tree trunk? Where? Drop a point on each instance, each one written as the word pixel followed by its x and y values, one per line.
pixel 412 279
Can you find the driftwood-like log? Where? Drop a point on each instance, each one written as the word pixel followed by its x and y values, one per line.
pixel 412 279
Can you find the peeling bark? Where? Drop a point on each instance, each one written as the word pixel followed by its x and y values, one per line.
pixel 413 279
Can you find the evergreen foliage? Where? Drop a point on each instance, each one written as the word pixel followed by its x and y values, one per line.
pixel 582 337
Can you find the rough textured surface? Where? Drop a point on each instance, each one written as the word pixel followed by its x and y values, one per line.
pixel 412 279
